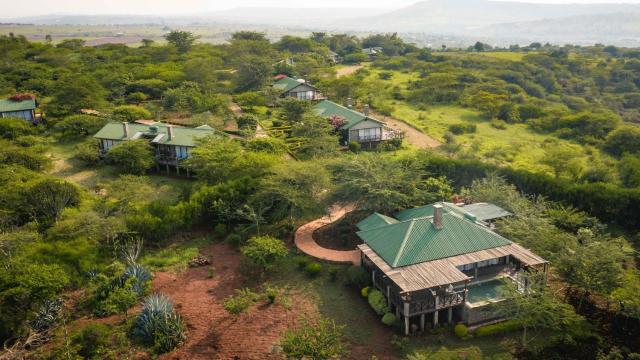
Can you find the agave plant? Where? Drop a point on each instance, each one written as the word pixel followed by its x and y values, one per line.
pixel 47 316
pixel 140 274
pixel 158 325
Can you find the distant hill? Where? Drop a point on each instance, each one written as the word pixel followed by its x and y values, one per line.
pixel 460 16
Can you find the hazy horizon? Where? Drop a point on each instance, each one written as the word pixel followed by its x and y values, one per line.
pixel 191 7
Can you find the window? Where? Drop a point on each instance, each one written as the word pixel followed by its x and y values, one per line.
pixel 182 152
pixel 304 95
pixel 369 134
pixel 108 144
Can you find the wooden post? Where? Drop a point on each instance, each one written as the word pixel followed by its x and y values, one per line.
pixel 475 276
pixel 178 170
pixel 422 316
pixel 373 278
pixel 388 296
pixel 397 311
pixel 406 318
pixel 450 316
pixel 167 169
pixel 435 319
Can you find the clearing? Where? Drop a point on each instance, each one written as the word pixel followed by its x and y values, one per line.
pixel 347 70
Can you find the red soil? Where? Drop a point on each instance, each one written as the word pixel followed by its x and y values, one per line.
pixel 213 333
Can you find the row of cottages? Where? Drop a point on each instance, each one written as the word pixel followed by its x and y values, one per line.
pixel 296 88
pixel 172 144
pixel 442 263
pixel 20 107
pixel 354 125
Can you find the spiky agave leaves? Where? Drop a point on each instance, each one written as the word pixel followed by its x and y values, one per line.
pixel 141 275
pixel 158 325
pixel 47 316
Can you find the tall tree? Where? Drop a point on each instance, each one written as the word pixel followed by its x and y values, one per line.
pixel 182 40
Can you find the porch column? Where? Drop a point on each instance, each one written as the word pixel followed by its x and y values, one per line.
pixel 475 276
pixel 397 311
pixel 388 296
pixel 373 278
pixel 178 170
pixel 167 168
pixel 406 318
pixel 450 316
pixel 422 316
pixel 435 313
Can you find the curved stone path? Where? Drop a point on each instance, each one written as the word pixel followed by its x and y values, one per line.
pixel 304 239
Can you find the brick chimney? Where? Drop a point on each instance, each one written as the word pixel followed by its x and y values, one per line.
pixel 437 216
pixel 125 129
pixel 169 132
pixel 365 111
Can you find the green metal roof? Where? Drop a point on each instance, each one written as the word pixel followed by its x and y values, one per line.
pixel 375 220
pixel 7 105
pixel 427 210
pixel 182 136
pixel 328 108
pixel 417 240
pixel 287 84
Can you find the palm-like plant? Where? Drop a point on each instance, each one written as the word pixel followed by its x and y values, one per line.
pixel 158 325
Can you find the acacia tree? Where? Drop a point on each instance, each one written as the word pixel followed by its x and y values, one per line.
pixel 385 185
pixel 264 251
pixel 535 308
pixel 133 156
pixel 48 198
pixel 595 267
pixel 182 40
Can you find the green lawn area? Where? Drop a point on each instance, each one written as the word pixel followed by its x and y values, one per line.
pixel 174 257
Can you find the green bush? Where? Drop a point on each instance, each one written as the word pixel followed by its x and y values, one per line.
pixel 498 124
pixel 271 294
pixel 313 269
pixel 264 251
pixel 247 121
pixel 354 146
pixel 357 276
pixel 333 274
pixel 301 262
pixel 319 340
pixel 364 292
pixel 241 301
pixel 461 331
pixel 378 302
pixel 459 129
pixel 389 319
pixel 498 328
pixel 132 156
pixel 92 341
pixel 88 152
pixel 235 239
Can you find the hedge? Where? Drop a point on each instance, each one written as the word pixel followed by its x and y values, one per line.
pixel 378 302
pixel 607 202
pixel 498 328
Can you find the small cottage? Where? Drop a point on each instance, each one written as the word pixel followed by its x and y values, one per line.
pixel 440 264
pixel 172 144
pixel 296 88
pixel 354 125
pixel 20 107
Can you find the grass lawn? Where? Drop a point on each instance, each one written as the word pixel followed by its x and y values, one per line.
pixel 516 145
pixel 174 257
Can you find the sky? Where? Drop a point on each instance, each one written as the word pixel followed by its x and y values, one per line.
pixel 12 8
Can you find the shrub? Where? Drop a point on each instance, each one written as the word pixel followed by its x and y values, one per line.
pixel 264 251
pixel 498 328
pixel 389 319
pixel 320 340
pixel 247 121
pixel 266 144
pixel 333 274
pixel 313 269
pixel 11 128
pixel 92 341
pixel 241 301
pixel 271 293
pixel 130 113
pixel 391 145
pixel 364 292
pixel 235 239
pixel 357 276
pixel 118 301
pixel 301 262
pixel 498 124
pixel 133 156
pixel 378 302
pixel 88 152
pixel 459 129
pixel 79 125
pixel 354 146
pixel 461 331
pixel 158 325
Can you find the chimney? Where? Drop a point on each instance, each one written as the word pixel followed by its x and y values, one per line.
pixel 170 132
pixel 365 111
pixel 437 216
pixel 125 128
pixel 350 103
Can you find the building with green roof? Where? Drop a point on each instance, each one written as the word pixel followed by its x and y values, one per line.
pixel 172 144
pixel 428 260
pixel 355 126
pixel 296 88
pixel 20 109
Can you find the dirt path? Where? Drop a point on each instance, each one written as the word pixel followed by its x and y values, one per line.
pixel 348 70
pixel 305 242
pixel 214 333
pixel 411 134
